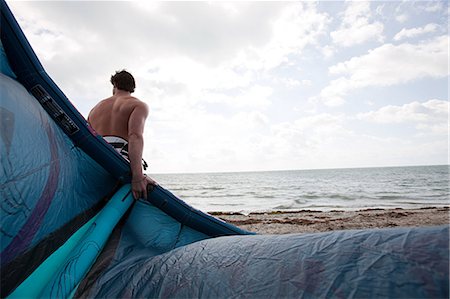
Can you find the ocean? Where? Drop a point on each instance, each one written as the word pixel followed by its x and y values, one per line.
pixel 324 189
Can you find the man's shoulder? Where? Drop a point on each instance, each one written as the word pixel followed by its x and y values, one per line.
pixel 103 103
pixel 135 102
pixel 106 101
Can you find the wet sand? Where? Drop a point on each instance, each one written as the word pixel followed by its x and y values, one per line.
pixel 316 221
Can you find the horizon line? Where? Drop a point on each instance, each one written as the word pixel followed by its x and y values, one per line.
pixel 303 169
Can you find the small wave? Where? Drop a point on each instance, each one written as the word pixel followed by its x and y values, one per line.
pixel 283 207
pixel 329 196
pixel 342 197
pixel 389 197
pixel 211 188
pixel 226 205
pixel 300 201
pixel 264 196
pixel 308 196
pixel 179 189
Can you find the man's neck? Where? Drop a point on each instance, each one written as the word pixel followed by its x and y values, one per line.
pixel 120 92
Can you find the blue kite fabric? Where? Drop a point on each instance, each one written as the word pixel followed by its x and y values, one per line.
pixel 66 211
pixel 48 186
pixel 379 263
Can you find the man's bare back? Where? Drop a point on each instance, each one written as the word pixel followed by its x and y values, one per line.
pixel 124 116
pixel 112 115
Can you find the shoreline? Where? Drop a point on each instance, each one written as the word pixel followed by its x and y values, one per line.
pixel 307 221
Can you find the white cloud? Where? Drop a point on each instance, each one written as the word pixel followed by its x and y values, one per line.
pixel 148 6
pixel 402 18
pixel 388 65
pixel 413 32
pixel 291 83
pixel 297 26
pixel 325 139
pixel 192 74
pixel 356 27
pixel 401 13
pixel 414 61
pixel 305 135
pixel 433 6
pixel 47 37
pixel 256 96
pixel 333 94
pixel 431 115
pixel 328 51
pixel 243 141
pixel 206 141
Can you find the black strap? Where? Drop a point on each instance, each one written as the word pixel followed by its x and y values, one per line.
pixel 124 151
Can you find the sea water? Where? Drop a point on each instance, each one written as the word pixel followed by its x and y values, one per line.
pixel 325 189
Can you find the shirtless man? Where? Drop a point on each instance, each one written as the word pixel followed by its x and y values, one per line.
pixel 123 117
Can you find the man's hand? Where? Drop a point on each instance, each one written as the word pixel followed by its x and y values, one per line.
pixel 139 186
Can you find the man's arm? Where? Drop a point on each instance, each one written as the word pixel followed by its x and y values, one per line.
pixel 136 124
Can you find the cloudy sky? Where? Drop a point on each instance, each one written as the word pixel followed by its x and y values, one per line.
pixel 237 86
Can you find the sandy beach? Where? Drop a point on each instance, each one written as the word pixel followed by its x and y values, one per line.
pixel 316 221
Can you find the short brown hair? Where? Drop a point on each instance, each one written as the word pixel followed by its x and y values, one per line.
pixel 123 80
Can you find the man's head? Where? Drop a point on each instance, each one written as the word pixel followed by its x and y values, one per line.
pixel 123 80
